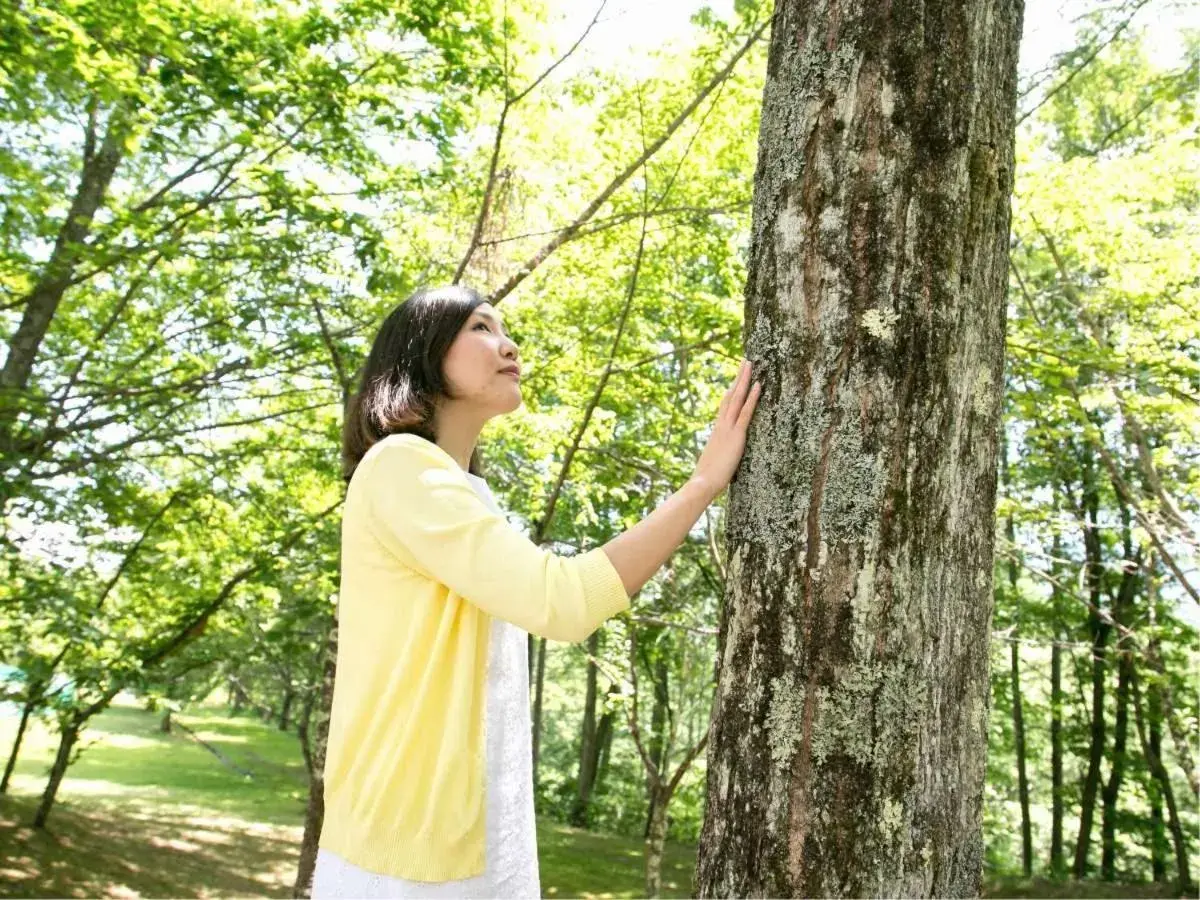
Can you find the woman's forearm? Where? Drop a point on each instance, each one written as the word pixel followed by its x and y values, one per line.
pixel 640 551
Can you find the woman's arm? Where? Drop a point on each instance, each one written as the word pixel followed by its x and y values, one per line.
pixel 638 553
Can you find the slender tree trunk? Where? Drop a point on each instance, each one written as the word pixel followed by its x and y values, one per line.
pixel 1058 860
pixel 1108 824
pixel 850 722
pixel 1018 715
pixel 1158 830
pixel 1022 781
pixel 1091 781
pixel 656 840
pixel 587 741
pixel 62 759
pixel 314 815
pixel 26 712
pixel 240 698
pixel 531 656
pixel 537 707
pixel 604 735
pixel 659 750
pixel 303 727
pixel 1099 630
pixel 1154 761
pixel 1058 863
pixel 1122 614
pixel 285 711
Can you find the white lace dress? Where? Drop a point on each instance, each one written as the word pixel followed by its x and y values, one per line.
pixel 511 850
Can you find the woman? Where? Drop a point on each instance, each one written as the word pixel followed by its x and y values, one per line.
pixel 428 788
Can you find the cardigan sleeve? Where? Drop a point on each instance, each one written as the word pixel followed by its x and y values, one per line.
pixel 422 509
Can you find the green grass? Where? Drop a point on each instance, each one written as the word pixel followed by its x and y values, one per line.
pixel 156 815
pixel 143 813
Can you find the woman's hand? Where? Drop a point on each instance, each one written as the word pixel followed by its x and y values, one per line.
pixel 725 445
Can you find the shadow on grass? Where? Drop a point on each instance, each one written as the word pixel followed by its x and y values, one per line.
pixel 108 849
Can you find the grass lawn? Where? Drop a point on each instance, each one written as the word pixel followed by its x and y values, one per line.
pixel 148 814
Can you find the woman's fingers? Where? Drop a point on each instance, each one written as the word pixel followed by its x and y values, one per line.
pixel 732 398
pixel 743 419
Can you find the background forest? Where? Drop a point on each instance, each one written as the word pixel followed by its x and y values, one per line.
pixel 208 207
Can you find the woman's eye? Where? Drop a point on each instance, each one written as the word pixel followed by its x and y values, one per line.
pixel 482 325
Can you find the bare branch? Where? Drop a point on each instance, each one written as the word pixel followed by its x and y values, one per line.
pixel 569 232
pixel 509 103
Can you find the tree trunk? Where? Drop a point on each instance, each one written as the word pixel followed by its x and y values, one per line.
pixel 1108 823
pixel 1018 714
pixel 531 656
pixel 537 707
pixel 1158 830
pixel 240 698
pixel 1022 781
pixel 604 735
pixel 656 840
pixel 587 741
pixel 164 724
pixel 304 732
pixel 1122 615
pixel 1058 860
pixel 285 712
pixel 314 815
pixel 66 743
pixel 1098 629
pixel 1154 761
pixel 658 732
pixel 849 730
pixel 26 712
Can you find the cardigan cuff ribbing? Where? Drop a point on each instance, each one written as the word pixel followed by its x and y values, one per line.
pixel 603 590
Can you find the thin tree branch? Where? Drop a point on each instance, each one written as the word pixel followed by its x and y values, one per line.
pixel 590 210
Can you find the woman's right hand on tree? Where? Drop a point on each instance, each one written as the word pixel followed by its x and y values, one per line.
pixel 727 442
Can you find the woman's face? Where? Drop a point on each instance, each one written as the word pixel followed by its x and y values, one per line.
pixel 475 364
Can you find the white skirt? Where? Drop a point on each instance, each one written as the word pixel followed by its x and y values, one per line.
pixel 334 877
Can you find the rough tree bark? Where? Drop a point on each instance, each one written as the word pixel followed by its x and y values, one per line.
pixel 849 728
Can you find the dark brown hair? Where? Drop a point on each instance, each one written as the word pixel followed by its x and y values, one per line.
pixel 402 376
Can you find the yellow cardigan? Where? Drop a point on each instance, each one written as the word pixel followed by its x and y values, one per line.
pixel 425 566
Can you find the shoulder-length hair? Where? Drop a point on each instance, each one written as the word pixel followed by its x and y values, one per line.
pixel 402 377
